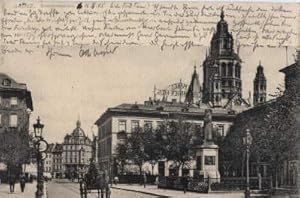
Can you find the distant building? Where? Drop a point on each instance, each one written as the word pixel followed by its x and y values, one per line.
pixel 259 86
pixel 57 162
pixel 77 152
pixel 48 162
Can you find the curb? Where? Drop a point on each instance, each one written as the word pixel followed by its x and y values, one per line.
pixel 147 193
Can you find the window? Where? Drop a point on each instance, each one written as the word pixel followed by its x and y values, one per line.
pixel 0 119
pixel 223 69
pixel 134 125
pixel 122 125
pixel 13 101
pixel 230 69
pixel 220 128
pixel 159 124
pixel 199 163
pixel 6 82
pixel 13 120
pixel 147 125
pixel 210 160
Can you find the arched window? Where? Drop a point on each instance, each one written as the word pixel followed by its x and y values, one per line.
pixel 230 69
pixel 237 70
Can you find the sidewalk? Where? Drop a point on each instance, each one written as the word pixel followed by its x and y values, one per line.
pixel 153 190
pixel 29 191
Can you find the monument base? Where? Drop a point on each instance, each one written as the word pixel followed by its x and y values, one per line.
pixel 208 160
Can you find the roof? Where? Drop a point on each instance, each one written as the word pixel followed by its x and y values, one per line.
pixel 58 148
pixel 9 84
pixel 164 110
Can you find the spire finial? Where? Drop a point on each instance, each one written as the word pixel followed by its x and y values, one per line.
pixel 195 68
pixel 259 62
pixel 78 123
pixel 222 13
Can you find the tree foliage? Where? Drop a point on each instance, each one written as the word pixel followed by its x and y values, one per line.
pixel 273 128
pixel 173 140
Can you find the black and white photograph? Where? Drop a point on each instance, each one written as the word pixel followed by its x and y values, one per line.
pixel 149 99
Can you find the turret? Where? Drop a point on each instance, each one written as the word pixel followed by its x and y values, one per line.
pixel 260 86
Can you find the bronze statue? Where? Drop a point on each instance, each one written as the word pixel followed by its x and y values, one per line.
pixel 208 126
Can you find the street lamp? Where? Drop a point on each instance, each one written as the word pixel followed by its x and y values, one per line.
pixel 41 147
pixel 247 141
pixel 80 164
pixel 38 129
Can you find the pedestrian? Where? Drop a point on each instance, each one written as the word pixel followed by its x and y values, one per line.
pixel 145 179
pixel 116 180
pixel 22 183
pixel 185 183
pixel 12 181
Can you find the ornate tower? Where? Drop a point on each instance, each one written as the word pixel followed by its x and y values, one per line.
pixel 221 68
pixel 193 95
pixel 260 86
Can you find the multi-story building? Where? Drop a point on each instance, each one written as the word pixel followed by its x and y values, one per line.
pixel 48 162
pixel 15 105
pixel 77 152
pixel 57 166
pixel 15 108
pixel 221 92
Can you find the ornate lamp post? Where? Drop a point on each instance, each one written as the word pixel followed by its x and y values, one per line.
pixel 81 165
pixel 247 141
pixel 41 147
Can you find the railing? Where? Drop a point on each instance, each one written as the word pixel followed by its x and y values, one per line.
pixel 136 179
pixel 202 185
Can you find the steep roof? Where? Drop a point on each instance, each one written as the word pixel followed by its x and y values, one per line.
pixel 7 83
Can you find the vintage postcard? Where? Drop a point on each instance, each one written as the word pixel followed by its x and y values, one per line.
pixel 182 99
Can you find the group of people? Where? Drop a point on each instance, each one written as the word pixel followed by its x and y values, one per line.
pixel 12 181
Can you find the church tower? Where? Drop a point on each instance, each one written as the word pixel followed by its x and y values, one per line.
pixel 193 95
pixel 260 86
pixel 221 68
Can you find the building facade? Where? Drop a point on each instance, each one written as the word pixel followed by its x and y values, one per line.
pixel 57 166
pixel 77 152
pixel 15 108
pixel 15 105
pixel 125 118
pixel 48 162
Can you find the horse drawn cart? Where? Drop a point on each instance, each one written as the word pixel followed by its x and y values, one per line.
pixel 94 184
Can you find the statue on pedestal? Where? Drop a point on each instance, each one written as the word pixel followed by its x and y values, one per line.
pixel 208 126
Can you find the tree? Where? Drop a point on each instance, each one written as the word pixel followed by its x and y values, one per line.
pixel 179 146
pixel 274 129
pixel 136 149
pixel 15 148
pixel 122 155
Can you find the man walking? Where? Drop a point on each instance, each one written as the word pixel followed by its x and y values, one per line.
pixel 145 179
pixel 22 183
pixel 12 181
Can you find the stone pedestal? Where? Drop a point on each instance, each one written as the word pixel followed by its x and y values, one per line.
pixel 207 161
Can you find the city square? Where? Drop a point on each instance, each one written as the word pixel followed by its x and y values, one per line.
pixel 217 117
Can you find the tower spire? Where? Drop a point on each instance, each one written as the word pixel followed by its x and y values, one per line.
pixel 222 14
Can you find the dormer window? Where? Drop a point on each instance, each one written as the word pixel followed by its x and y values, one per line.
pixel 6 82
pixel 13 101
